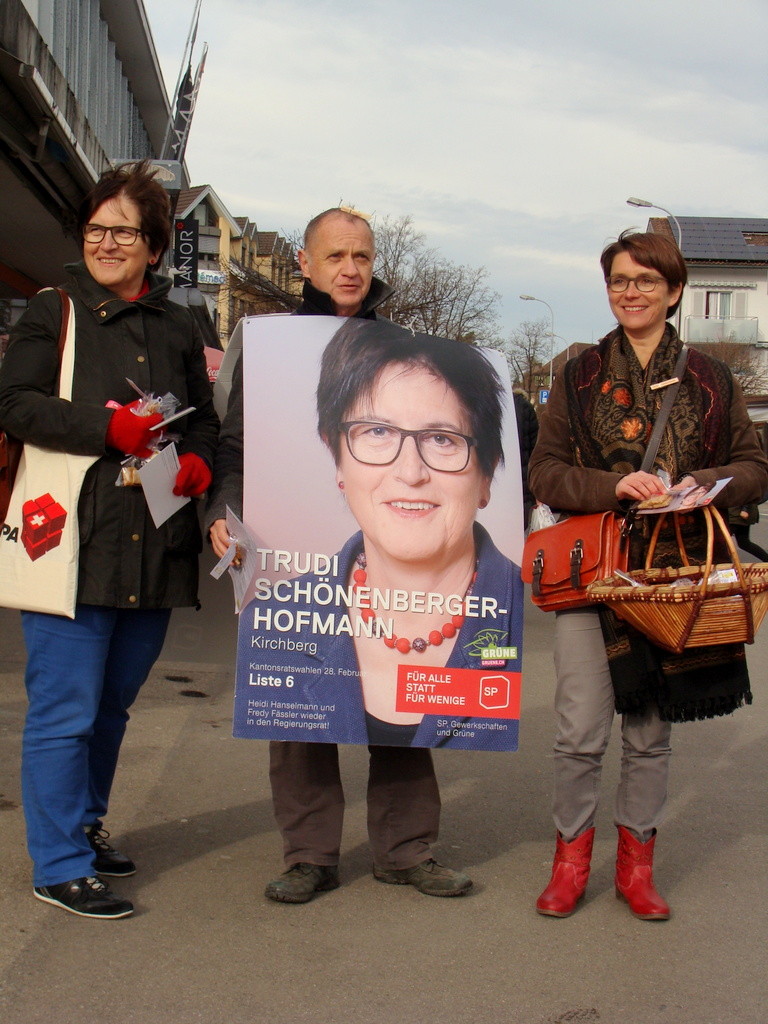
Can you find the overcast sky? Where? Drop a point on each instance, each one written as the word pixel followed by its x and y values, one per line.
pixel 513 133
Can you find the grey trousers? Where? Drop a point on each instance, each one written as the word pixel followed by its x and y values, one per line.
pixel 308 799
pixel 584 708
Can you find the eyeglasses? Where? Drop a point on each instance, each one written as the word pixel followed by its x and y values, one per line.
pixel 379 444
pixel 644 283
pixel 122 235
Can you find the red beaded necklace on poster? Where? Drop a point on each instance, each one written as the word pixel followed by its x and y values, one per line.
pixel 400 643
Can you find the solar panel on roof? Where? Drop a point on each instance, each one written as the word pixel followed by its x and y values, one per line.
pixel 723 238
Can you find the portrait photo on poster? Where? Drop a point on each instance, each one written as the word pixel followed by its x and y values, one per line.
pixel 382 485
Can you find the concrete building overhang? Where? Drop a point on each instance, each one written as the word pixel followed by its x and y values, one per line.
pixel 132 35
pixel 50 155
pixel 44 173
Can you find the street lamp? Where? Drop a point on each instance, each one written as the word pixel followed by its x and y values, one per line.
pixel 633 201
pixel 532 298
pixel 567 346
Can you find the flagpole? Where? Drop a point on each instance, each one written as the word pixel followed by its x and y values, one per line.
pixel 187 115
pixel 186 61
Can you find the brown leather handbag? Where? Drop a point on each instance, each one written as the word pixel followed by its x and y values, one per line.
pixel 561 561
pixel 10 453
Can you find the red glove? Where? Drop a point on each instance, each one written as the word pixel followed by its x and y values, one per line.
pixel 194 477
pixel 130 433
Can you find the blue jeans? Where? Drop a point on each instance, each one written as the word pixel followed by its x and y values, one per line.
pixel 82 676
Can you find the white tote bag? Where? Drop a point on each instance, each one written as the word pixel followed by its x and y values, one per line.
pixel 40 540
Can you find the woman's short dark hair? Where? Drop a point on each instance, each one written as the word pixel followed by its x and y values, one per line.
pixel 361 349
pixel 657 252
pixel 135 181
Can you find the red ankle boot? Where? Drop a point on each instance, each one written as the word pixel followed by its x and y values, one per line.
pixel 570 872
pixel 634 878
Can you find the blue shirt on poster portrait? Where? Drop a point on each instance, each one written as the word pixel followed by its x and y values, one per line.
pixel 329 677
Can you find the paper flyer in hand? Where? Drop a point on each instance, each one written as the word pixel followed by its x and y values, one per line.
pixel 158 476
pixel 239 560
pixel 683 500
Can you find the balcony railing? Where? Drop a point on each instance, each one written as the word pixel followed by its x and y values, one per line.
pixel 741 329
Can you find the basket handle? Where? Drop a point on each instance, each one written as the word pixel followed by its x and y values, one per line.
pixel 681 542
pixel 710 513
pixel 660 520
pixel 729 541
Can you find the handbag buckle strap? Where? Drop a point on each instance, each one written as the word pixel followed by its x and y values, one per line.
pixel 627 524
pixel 577 556
pixel 538 569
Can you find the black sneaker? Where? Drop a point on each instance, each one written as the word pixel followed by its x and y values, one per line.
pixel 86 897
pixel 109 861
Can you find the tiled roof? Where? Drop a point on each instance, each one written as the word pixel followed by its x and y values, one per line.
pixel 187 198
pixel 723 239
pixel 661 226
pixel 267 240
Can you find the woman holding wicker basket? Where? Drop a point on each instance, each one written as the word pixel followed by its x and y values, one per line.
pixel 592 439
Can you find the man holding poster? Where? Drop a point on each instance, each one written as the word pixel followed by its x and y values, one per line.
pixel 403 797
pixel 408 635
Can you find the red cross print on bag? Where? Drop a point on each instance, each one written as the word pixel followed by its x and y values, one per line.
pixel 43 520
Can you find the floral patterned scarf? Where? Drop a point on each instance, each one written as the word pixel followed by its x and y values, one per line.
pixel 613 406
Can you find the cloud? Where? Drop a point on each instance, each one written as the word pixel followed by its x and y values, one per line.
pixel 511 133
pixel 546 258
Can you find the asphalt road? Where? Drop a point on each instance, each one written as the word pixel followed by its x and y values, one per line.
pixel 192 806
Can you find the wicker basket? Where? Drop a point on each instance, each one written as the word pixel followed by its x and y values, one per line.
pixel 699 615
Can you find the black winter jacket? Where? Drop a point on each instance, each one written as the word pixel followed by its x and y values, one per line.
pixel 125 561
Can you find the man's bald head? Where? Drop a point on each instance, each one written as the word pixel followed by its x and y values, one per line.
pixel 337 258
pixel 333 213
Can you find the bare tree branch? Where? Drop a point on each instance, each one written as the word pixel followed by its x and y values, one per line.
pixel 745 363
pixel 432 294
pixel 527 350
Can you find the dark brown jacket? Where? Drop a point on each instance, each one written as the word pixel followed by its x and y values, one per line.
pixel 558 482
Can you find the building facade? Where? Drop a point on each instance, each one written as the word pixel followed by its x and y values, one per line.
pixel 81 87
pixel 241 271
pixel 726 299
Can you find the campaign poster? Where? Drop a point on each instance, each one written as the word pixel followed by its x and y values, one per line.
pixel 382 493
